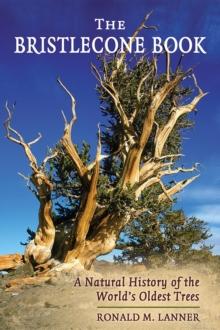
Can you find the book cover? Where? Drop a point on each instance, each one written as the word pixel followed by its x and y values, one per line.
pixel 109 164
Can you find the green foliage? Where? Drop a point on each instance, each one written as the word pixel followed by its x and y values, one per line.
pixel 122 201
pixel 126 82
pixel 67 185
pixel 160 232
pixel 162 236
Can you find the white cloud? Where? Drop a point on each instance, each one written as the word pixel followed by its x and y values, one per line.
pixel 215 240
pixel 207 212
pixel 204 193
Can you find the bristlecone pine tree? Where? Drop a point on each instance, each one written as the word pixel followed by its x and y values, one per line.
pixel 166 236
pixel 146 112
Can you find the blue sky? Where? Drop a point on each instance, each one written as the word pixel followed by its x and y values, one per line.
pixel 30 80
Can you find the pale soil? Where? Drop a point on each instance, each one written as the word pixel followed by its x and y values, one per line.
pixel 60 305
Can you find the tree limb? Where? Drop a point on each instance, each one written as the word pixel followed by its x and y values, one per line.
pixel 39 249
pixel 179 170
pixel 73 102
pixel 131 40
pixel 109 87
pixel 176 188
pixel 168 65
pixel 17 138
pixel 87 208
pixel 66 140
pixel 49 157
pixel 157 100
pixel 176 113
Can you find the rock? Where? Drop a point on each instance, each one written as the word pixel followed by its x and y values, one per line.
pixel 49 305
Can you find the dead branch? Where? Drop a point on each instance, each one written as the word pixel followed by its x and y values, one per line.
pixel 168 65
pixel 142 26
pixel 176 113
pixel 35 140
pixel 16 137
pixel 73 102
pixel 140 86
pixel 40 247
pixel 146 184
pixel 11 261
pixel 109 87
pixel 66 140
pixel 49 157
pixel 176 188
pixel 155 104
pixel 177 170
pixel 90 203
pixel 87 207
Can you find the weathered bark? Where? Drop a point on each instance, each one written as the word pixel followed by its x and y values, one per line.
pixel 39 249
pixel 11 261
pixel 131 170
pixel 85 216
pixel 164 131
pixel 102 241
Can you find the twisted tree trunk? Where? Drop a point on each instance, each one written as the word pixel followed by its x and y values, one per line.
pixel 39 249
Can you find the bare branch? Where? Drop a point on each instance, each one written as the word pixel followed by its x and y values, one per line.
pixel 179 170
pixel 149 169
pixel 88 207
pixel 150 163
pixel 9 129
pixel 176 188
pixel 131 120
pixel 165 191
pixel 66 140
pixel 35 140
pixel 19 140
pixel 141 84
pixel 154 63
pixel 131 40
pixel 176 113
pixel 26 178
pixel 152 173
pixel 196 85
pixel 70 148
pixel 53 155
pixel 168 65
pixel 171 156
pixel 111 90
pixel 64 118
pixel 108 84
pixel 41 186
pixel 99 146
pixel 73 102
pixel 155 104
pixel 146 184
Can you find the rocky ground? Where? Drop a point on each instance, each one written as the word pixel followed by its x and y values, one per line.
pixel 58 304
